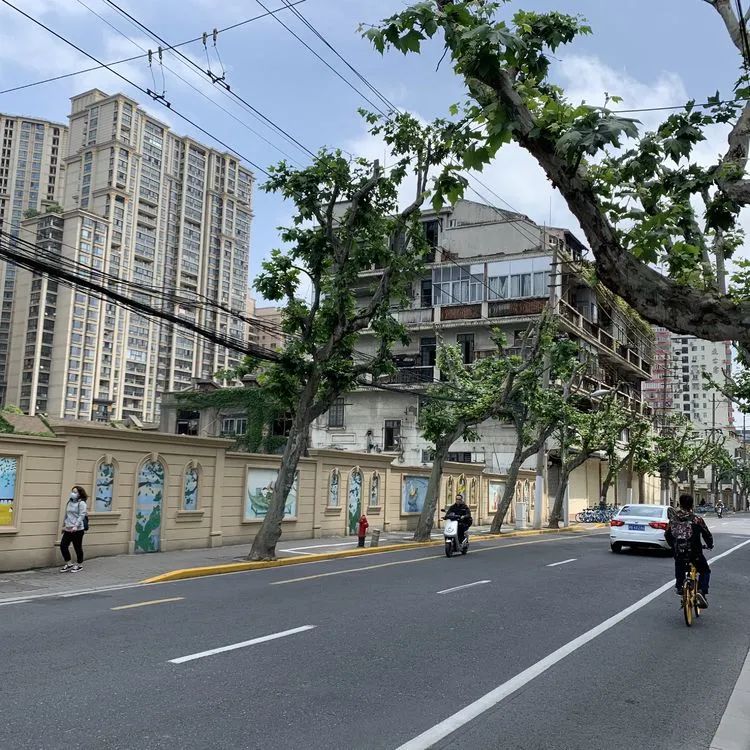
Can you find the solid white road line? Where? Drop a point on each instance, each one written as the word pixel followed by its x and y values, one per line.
pixel 235 646
pixel 465 586
pixel 735 722
pixel 148 604
pixel 59 595
pixel 562 562
pixel 318 546
pixel 440 731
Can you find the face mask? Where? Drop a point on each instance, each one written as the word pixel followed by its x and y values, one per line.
pixel 74 495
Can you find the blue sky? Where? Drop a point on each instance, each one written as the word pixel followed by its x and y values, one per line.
pixel 651 52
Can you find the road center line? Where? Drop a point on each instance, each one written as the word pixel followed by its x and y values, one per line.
pixel 15 601
pixel 243 644
pixel 446 727
pixel 428 557
pixel 148 603
pixel 465 586
pixel 562 562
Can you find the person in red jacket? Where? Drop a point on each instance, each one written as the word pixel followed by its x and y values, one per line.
pixel 362 530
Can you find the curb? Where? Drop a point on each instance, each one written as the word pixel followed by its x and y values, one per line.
pixel 214 570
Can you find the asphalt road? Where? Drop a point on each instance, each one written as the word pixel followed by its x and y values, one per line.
pixel 386 657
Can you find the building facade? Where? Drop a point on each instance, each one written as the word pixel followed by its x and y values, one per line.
pixel 679 386
pixel 489 269
pixel 166 221
pixel 31 180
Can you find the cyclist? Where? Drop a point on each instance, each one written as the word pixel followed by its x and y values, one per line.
pixel 685 535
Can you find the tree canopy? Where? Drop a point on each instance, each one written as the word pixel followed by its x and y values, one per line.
pixel 641 197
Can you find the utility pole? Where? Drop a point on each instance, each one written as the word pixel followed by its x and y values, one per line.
pixel 714 483
pixel 744 460
pixel 540 488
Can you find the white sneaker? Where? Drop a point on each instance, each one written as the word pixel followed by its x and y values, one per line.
pixel 76 568
pixel 65 568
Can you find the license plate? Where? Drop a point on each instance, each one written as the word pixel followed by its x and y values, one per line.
pixel 636 527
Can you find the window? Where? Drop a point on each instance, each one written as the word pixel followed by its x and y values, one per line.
pixel 498 287
pixel 392 435
pixel 461 457
pixel 465 343
pixel 428 351
pixel 456 285
pixel 336 413
pixel 8 472
pixel 190 488
pixel 431 231
pixel 187 422
pixel 426 293
pixel 520 285
pixel 104 487
pixel 541 284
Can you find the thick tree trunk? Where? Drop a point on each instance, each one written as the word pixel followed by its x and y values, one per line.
pixel 264 544
pixel 557 509
pixel 510 490
pixel 565 471
pixel 427 516
pixel 612 472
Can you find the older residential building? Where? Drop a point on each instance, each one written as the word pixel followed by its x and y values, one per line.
pixel 170 218
pixel 31 179
pixel 490 268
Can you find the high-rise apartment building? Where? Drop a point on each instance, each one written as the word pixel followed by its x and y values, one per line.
pixel 31 179
pixel 167 219
pixel 678 384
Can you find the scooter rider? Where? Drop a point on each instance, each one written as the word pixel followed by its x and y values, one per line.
pixel 461 510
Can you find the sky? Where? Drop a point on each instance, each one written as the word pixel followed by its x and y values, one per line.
pixel 650 53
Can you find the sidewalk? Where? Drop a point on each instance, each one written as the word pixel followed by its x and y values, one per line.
pixel 121 570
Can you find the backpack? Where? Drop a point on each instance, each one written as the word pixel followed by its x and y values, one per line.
pixel 682 534
pixel 85 519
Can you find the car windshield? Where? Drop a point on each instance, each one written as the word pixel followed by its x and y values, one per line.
pixel 642 511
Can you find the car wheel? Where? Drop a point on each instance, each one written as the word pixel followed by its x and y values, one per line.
pixel 616 547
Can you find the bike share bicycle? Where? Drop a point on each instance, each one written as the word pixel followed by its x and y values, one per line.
pixel 689 603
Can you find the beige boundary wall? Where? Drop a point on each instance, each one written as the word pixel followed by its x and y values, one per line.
pixel 47 467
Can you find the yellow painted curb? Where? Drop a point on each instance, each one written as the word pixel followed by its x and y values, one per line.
pixel 213 570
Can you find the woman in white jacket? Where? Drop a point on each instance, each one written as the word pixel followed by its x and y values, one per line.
pixel 73 529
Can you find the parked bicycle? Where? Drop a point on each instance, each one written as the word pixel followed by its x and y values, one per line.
pixel 597 515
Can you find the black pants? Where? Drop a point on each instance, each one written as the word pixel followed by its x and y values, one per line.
pixel 77 538
pixel 681 566
pixel 360 541
pixel 462 529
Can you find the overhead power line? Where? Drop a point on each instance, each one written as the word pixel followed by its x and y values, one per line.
pixel 521 228
pixel 200 93
pixel 148 93
pixel 211 76
pixel 141 57
pixel 37 264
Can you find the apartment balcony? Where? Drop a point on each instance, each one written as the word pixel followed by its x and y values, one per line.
pixel 411 375
pixel 594 377
pixel 515 308
pixel 416 315
pixel 622 353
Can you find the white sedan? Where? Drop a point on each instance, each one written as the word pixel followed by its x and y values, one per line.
pixel 639 526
